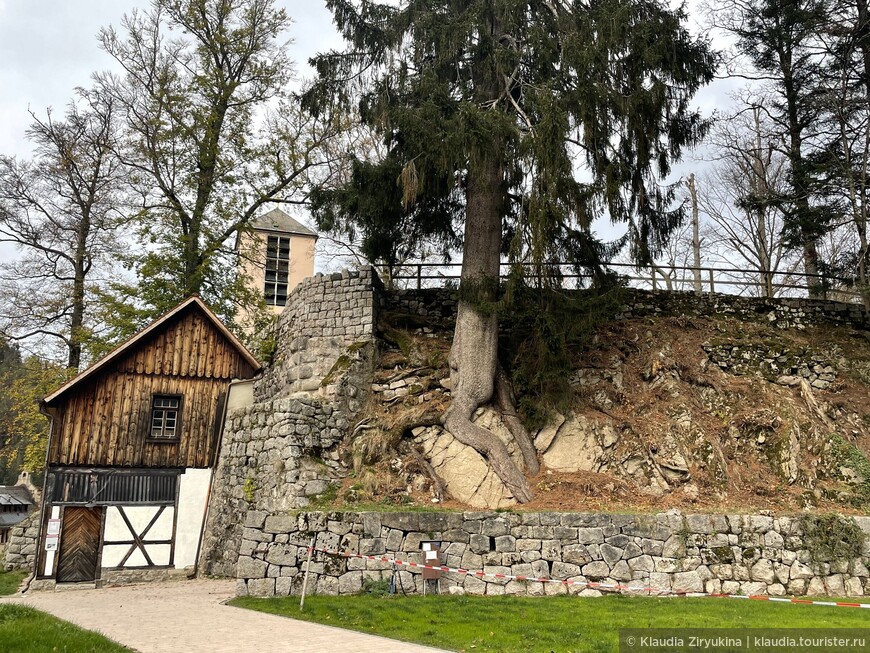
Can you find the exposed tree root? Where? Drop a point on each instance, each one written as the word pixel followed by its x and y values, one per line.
pixel 457 419
pixel 506 403
pixel 438 484
pixel 473 367
pixel 813 405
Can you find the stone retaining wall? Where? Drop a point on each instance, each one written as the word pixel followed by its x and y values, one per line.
pixel 21 549
pixel 279 452
pixel 439 305
pixel 737 554
pixel 774 362
pixel 324 315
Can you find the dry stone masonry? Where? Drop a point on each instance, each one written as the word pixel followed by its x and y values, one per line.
pixel 735 554
pixel 21 549
pixel 439 306
pixel 281 451
pixel 324 316
pixel 774 362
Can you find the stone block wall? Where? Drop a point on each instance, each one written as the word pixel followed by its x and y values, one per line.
pixel 735 554
pixel 324 315
pixel 439 305
pixel 275 456
pixel 23 540
pixel 435 304
pixel 783 313
pixel 280 452
pixel 774 362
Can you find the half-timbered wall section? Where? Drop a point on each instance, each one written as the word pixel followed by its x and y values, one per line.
pixel 106 421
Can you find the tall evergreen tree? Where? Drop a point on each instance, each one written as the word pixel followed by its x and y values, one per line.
pixel 506 99
pixel 843 161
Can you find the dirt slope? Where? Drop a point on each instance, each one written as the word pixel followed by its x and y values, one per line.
pixel 701 413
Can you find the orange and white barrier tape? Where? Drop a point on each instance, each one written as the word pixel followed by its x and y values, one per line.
pixel 587 584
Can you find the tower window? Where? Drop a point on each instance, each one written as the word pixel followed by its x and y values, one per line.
pixel 277 270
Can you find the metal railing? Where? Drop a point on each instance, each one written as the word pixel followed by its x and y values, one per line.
pixel 725 280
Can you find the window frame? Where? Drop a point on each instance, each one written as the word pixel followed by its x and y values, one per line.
pixel 278 268
pixel 150 437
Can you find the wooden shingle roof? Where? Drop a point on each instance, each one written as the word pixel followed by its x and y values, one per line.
pixel 191 303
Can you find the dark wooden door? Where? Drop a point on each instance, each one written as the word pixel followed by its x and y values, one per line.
pixel 79 545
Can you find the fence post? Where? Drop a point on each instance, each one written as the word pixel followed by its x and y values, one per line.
pixel 307 569
pixel 419 276
pixel 712 285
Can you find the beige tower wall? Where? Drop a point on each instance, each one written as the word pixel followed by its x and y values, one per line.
pixel 301 259
pixel 253 260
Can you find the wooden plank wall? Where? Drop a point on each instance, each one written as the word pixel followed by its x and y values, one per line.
pixel 106 421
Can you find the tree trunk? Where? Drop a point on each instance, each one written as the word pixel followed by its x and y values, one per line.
pixel 474 353
pixel 863 38
pixel 80 270
pixel 761 193
pixel 696 238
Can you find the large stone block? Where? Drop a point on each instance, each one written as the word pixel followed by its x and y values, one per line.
pixel 255 518
pixel 372 546
pixel 699 524
pixel 261 587
pixel 257 535
pixel 611 554
pixel 565 570
pixel 403 521
pixel 505 543
pixel 674 547
pixel 688 581
pixel 282 554
pixel 597 569
pixel 250 568
pixel 576 554
pixel 551 550
pixel 763 571
pixel 479 543
pixel 371 524
pixel 495 527
pixel 350 582
pixel 590 535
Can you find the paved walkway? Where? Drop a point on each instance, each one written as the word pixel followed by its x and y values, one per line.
pixel 188 616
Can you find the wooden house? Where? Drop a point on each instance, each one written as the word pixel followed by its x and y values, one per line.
pixel 131 449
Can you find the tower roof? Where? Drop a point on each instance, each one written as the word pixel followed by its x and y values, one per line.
pixel 277 220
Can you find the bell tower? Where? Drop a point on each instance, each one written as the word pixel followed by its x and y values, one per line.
pixel 275 255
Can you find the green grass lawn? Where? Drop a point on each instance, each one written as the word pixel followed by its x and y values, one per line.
pixel 559 624
pixel 25 630
pixel 9 581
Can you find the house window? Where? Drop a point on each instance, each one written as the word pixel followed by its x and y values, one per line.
pixel 277 270
pixel 165 417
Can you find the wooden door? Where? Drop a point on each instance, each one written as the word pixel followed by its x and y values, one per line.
pixel 79 545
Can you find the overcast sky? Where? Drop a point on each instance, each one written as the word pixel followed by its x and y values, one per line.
pixel 49 47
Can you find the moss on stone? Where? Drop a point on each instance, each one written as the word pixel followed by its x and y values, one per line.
pixel 723 554
pixel 342 363
pixel 831 538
